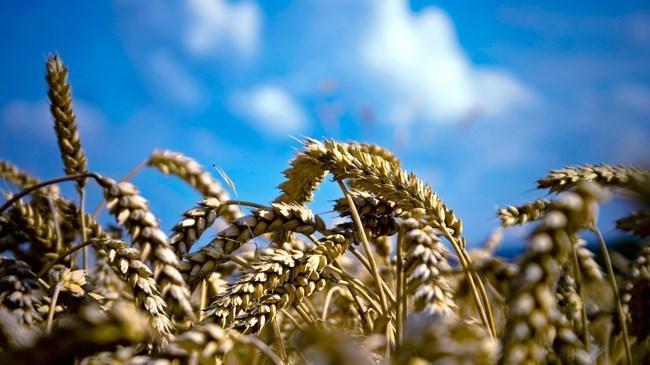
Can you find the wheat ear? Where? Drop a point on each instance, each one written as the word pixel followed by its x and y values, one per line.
pixel 132 211
pixel 531 325
pixel 20 292
pixel 190 171
pixel 194 222
pixel 605 175
pixel 14 175
pixel 522 214
pixel 637 223
pixel 278 217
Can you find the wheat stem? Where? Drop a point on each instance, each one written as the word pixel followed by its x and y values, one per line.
pixel 50 314
pixel 366 264
pixel 14 198
pixel 327 302
pixel 62 256
pixel 470 279
pixel 400 288
pixel 204 299
pixel 366 246
pixel 278 335
pixel 82 223
pixel 617 297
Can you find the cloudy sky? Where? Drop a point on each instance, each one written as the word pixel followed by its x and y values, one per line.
pixel 478 98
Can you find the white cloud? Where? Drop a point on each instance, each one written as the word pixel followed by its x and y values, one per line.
pixel 32 120
pixel 170 79
pixel 217 23
pixel 426 74
pixel 271 109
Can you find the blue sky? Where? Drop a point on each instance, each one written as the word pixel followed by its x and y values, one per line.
pixel 478 98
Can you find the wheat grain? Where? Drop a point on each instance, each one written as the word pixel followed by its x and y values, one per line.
pixel 190 171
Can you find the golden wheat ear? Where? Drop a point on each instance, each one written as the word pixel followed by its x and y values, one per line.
pixel 65 123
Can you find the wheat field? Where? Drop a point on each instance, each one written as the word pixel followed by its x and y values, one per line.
pixel 393 282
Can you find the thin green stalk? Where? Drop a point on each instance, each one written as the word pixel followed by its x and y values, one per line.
pixel 462 259
pixel 401 303
pixel 82 222
pixel 612 281
pixel 203 299
pixel 14 198
pixel 278 335
pixel 366 246
pixel 50 314
pixel 67 252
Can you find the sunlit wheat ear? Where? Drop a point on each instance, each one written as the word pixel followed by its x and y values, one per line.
pixel 531 325
pixel 15 176
pixel 373 149
pixel 278 217
pixel 40 231
pixel 77 336
pixel 446 339
pixel 304 174
pixel 637 223
pixel 271 269
pixel 605 175
pixel 19 291
pixel 425 258
pixel 194 222
pixel 65 125
pixel 190 171
pixel 132 211
pixel 126 262
pixel 367 204
pixel 301 281
pixel 522 214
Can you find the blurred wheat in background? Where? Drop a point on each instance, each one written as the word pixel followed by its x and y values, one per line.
pixel 392 280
